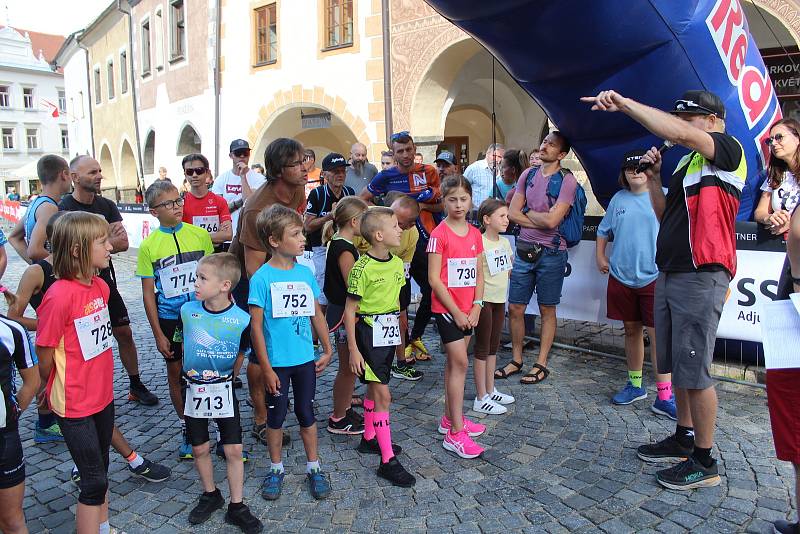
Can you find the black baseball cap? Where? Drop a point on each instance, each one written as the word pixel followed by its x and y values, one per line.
pixel 446 157
pixel 631 158
pixel 699 102
pixel 239 144
pixel 334 161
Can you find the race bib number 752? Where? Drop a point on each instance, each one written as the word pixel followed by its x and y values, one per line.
pixel 292 299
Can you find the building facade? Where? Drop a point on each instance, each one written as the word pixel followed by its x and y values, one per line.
pixel 173 58
pixel 73 62
pixel 32 108
pixel 113 114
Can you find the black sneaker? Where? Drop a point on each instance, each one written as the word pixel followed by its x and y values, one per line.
pixel 151 472
pixel 688 475
pixel 396 474
pixel 348 425
pixel 372 447
pixel 242 518
pixel 666 450
pixel 782 526
pixel 406 372
pixel 206 505
pixel 139 393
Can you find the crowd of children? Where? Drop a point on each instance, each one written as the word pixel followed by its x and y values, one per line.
pixel 203 335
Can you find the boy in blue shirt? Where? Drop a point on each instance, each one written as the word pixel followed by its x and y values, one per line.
pixel 283 305
pixel 214 337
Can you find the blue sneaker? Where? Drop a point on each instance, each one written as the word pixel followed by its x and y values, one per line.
pixel 666 408
pixel 318 484
pixel 47 435
pixel 629 394
pixel 185 450
pixel 220 451
pixel 271 487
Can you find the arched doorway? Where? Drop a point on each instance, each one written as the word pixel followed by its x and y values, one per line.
pixel 128 174
pixel 189 142
pixel 109 170
pixel 149 155
pixel 335 136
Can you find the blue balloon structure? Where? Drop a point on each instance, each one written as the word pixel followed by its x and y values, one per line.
pixel 650 50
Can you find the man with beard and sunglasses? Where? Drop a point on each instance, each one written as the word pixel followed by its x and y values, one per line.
pixel 361 171
pixel 229 184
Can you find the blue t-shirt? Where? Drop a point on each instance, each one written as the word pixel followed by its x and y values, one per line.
pixel 504 188
pixel 631 220
pixel 288 339
pixel 211 340
pixel 30 215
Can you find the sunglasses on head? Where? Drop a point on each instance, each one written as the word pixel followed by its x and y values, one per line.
pixel 192 171
pixel 242 152
pixel 689 106
pixel 400 135
pixel 777 138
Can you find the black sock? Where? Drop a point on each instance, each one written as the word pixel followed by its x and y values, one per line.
pixel 233 506
pixel 703 456
pixel 135 380
pixel 684 435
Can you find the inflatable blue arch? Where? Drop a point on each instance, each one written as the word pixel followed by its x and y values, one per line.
pixel 650 50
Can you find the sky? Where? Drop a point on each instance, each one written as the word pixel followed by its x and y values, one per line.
pixel 61 17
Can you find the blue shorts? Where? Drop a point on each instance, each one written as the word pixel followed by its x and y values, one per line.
pixel 546 277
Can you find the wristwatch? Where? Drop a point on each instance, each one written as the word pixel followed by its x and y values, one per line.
pixel 478 302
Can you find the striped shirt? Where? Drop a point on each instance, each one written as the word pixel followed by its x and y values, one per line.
pixel 16 353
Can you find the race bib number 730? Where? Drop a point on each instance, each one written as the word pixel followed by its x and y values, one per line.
pixel 462 272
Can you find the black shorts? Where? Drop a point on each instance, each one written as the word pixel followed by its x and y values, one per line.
pixel 12 461
pixel 230 428
pixel 334 316
pixel 377 360
pixel 448 330
pixel 116 306
pixel 175 336
pixel 405 295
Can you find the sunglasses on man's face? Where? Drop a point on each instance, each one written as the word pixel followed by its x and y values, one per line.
pixel 192 171
pixel 243 153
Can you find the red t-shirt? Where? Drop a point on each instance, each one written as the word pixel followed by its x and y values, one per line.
pixel 207 212
pixel 74 320
pixel 459 259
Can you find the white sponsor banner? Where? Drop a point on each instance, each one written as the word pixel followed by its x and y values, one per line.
pixel 583 297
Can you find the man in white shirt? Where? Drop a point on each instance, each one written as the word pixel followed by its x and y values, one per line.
pixel 229 184
pixel 483 174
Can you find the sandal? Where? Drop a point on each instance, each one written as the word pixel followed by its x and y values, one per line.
pixel 356 401
pixel 502 373
pixel 260 432
pixel 537 374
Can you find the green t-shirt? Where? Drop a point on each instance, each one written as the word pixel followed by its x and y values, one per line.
pixel 376 284
pixel 170 256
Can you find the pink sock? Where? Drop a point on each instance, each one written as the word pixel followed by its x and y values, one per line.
pixel 384 434
pixel 664 390
pixel 369 419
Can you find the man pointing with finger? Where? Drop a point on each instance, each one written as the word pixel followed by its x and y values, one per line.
pixel 696 258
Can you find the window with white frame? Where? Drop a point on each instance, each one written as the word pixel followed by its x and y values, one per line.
pixel 27 97
pixel 177 29
pixel 110 78
pixel 32 138
pixel 146 47
pixel 64 140
pixel 98 98
pixel 8 139
pixel 5 96
pixel 123 72
pixel 62 101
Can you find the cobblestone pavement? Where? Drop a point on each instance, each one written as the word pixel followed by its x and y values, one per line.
pixel 562 460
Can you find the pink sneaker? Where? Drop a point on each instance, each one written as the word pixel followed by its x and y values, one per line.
pixel 461 444
pixel 473 429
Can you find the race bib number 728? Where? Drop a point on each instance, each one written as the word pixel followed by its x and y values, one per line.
pixel 94 333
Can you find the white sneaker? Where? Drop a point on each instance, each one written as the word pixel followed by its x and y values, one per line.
pixel 488 406
pixel 501 398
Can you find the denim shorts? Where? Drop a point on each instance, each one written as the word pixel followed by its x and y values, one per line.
pixel 545 276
